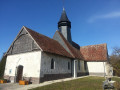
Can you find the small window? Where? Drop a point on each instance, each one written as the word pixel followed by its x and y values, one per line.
pixel 10 71
pixel 52 64
pixel 68 65
pixel 79 65
pixel 85 65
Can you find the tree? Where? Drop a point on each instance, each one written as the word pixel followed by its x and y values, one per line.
pixel 2 65
pixel 115 60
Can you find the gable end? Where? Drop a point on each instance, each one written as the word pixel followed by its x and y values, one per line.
pixel 23 43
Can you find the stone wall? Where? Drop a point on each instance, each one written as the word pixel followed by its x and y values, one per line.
pixel 81 70
pixel 31 80
pixel 61 67
pixel 48 77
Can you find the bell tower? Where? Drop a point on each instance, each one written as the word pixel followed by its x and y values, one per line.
pixel 64 26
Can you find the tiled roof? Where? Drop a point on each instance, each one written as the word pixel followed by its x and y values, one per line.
pixel 88 53
pixel 94 52
pixel 76 53
pixel 47 44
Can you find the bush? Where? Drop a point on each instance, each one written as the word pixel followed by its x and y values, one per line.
pixel 116 68
pixel 115 61
pixel 117 85
pixel 2 66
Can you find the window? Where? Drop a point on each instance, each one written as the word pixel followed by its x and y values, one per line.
pixel 10 71
pixel 68 65
pixel 79 65
pixel 52 64
pixel 85 65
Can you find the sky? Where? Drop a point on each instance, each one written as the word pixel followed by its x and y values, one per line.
pixel 92 21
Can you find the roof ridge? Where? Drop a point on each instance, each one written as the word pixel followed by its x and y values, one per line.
pixel 38 33
pixel 70 45
pixel 65 42
pixel 94 45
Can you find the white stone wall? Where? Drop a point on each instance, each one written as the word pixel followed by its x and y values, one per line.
pixel 96 67
pixel 76 67
pixel 30 62
pixel 61 64
pixel 82 67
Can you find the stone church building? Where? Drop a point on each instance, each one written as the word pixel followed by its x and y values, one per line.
pixel 38 58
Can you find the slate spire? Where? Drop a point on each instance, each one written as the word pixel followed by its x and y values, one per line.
pixel 64 21
pixel 64 26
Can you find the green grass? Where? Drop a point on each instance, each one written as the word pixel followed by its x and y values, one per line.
pixel 87 83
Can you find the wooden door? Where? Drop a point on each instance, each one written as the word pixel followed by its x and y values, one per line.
pixel 19 73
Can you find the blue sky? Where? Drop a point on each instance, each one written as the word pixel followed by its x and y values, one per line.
pixel 92 21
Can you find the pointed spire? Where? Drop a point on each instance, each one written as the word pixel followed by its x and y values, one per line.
pixel 64 19
pixel 64 16
pixel 63 9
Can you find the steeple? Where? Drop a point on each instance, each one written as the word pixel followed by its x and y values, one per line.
pixel 64 21
pixel 64 26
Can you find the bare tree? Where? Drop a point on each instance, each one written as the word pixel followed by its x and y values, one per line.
pixel 116 51
pixel 115 60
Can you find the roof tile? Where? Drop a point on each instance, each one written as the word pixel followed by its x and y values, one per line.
pixel 94 52
pixel 47 44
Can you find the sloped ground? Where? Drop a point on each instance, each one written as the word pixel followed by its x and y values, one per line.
pixel 88 83
pixel 16 86
pixel 80 83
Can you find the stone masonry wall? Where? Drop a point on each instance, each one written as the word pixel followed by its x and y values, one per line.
pixel 61 67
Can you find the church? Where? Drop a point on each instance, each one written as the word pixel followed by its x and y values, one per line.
pixel 38 58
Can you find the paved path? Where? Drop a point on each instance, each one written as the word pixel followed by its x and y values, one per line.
pixel 16 86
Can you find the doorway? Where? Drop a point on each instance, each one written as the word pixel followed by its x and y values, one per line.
pixel 19 73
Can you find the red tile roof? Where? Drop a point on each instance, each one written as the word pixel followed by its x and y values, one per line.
pixel 47 44
pixel 94 52
pixel 75 52
pixel 88 53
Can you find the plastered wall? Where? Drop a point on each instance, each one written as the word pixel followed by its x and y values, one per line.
pixel 30 62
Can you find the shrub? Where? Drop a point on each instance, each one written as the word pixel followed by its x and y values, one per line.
pixel 117 85
pixel 2 66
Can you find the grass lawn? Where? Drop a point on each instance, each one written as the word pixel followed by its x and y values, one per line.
pixel 87 83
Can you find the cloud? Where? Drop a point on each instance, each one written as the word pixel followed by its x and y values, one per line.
pixel 104 16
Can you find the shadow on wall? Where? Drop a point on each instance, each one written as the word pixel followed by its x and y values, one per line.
pixel 87 72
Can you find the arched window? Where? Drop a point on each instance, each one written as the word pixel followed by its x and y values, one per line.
pixel 85 65
pixel 68 65
pixel 78 64
pixel 52 64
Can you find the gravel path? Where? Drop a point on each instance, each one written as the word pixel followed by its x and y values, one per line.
pixel 10 86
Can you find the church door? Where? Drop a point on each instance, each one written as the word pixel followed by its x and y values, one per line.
pixel 19 73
